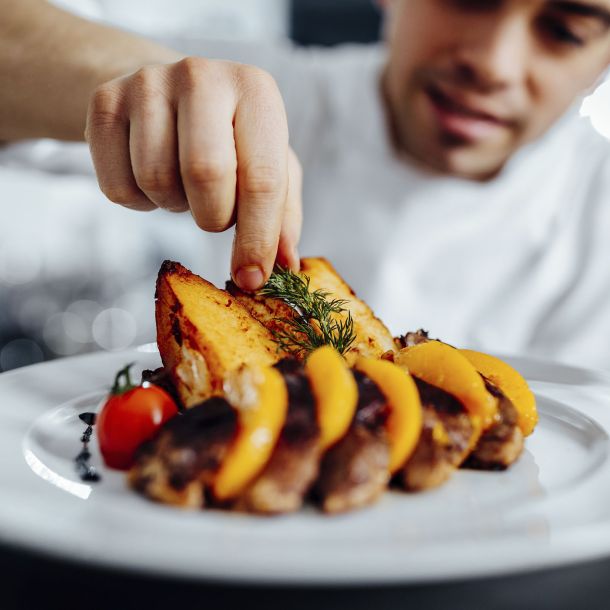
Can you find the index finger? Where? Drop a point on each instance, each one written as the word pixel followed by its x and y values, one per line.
pixel 261 141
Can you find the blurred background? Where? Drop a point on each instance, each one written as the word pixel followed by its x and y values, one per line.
pixel 76 272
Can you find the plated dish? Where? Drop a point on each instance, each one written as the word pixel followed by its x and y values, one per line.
pixel 552 507
pixel 356 457
pixel 299 394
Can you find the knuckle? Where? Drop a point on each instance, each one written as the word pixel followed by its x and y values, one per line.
pixel 256 79
pixel 262 180
pixel 106 97
pixel 214 225
pixel 121 194
pixel 259 88
pixel 177 208
pixel 204 173
pixel 191 69
pixel 145 77
pixel 157 179
pixel 146 85
pixel 255 247
pixel 199 221
pixel 219 223
pixel 213 221
pixel 105 107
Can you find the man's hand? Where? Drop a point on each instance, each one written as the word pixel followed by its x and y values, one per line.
pixel 206 136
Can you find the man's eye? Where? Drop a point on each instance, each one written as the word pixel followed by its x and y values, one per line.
pixel 559 32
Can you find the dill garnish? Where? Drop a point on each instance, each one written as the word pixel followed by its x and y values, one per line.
pixel 315 322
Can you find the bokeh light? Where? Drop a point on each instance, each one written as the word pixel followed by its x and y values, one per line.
pixel 20 352
pixel 34 311
pixel 114 329
pixel 64 333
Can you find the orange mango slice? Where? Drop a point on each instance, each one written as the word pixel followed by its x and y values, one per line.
pixel 446 368
pixel 405 421
pixel 511 383
pixel 335 391
pixel 261 414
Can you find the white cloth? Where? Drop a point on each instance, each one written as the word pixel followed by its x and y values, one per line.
pixel 519 265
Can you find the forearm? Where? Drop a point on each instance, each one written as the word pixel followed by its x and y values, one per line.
pixel 52 62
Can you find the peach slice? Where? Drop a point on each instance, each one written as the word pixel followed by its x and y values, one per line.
pixel 406 419
pixel 511 383
pixel 260 397
pixel 446 368
pixel 335 391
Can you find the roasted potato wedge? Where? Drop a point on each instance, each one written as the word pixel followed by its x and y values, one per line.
pixel 203 333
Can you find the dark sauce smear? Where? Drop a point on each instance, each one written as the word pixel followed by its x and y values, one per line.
pixel 84 469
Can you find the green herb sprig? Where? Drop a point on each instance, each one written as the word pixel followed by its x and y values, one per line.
pixel 315 322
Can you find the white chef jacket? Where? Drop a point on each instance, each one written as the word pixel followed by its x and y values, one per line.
pixel 517 265
pixel 520 264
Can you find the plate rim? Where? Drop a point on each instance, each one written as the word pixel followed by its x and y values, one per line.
pixel 532 562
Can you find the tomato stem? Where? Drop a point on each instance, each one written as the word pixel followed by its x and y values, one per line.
pixel 122 381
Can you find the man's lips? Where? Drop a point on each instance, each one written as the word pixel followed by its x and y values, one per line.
pixel 459 118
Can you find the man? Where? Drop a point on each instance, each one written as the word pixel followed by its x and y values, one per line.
pixel 440 176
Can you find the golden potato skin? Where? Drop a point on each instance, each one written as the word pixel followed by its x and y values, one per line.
pixel 203 333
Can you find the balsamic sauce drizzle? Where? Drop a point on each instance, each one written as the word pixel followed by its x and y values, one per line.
pixel 84 469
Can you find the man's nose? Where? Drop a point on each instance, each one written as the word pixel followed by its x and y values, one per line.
pixel 494 55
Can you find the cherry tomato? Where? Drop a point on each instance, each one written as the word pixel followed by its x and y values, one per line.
pixel 131 415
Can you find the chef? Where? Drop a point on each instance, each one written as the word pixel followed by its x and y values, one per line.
pixel 445 173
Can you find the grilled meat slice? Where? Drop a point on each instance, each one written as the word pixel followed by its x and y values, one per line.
pixel 444 442
pixel 415 338
pixel 412 338
pixel 178 464
pixel 502 444
pixel 354 472
pixel 498 447
pixel 293 466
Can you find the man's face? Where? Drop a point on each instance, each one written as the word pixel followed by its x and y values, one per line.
pixel 470 81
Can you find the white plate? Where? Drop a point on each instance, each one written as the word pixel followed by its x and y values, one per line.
pixel 551 508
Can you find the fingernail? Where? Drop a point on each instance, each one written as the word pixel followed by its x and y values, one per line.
pixel 250 277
